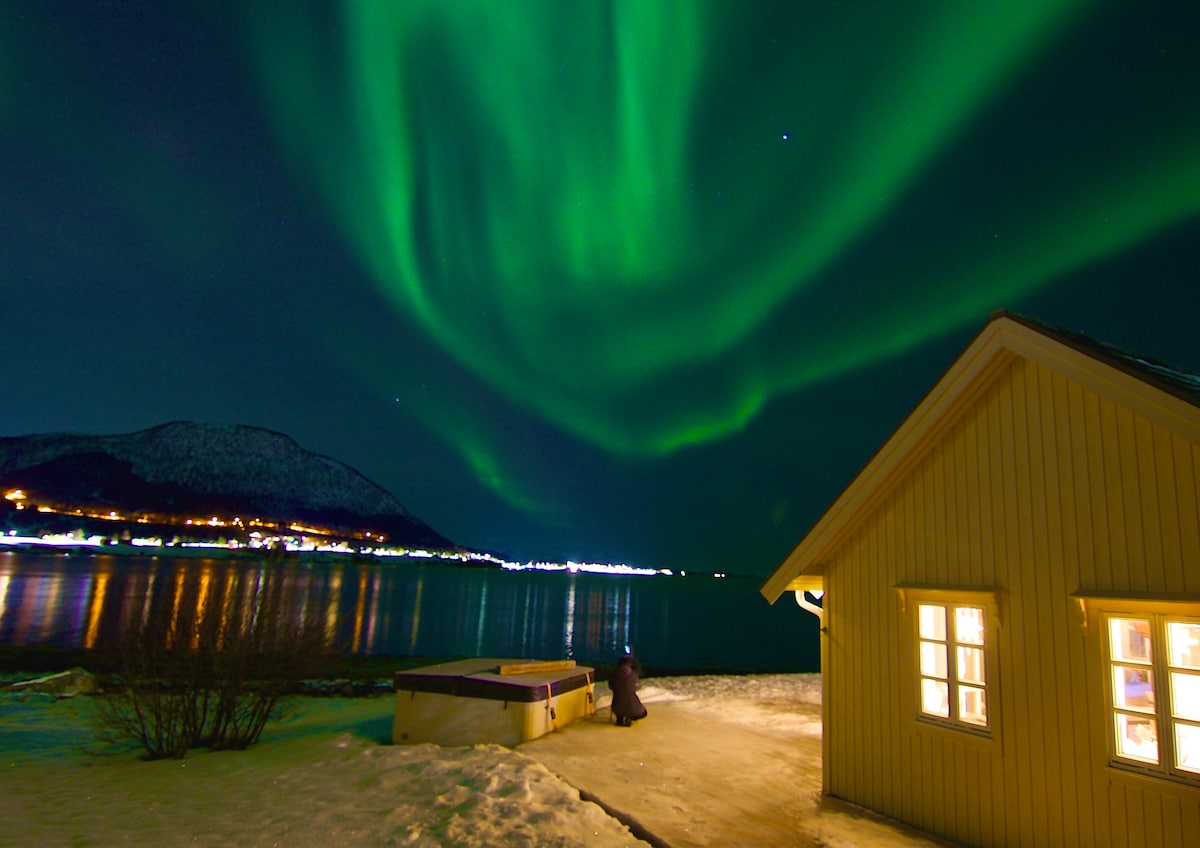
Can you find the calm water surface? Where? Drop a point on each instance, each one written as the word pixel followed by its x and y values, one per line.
pixel 700 624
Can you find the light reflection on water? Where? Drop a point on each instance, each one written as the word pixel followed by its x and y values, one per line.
pixel 367 609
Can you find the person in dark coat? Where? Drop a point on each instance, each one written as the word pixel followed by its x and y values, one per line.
pixel 626 706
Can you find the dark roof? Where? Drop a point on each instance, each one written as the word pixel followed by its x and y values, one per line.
pixel 1182 384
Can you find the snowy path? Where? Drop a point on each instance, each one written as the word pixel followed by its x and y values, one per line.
pixel 720 761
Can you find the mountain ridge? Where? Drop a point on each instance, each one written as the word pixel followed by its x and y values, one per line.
pixel 183 466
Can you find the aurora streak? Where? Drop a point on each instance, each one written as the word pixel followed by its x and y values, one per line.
pixel 548 190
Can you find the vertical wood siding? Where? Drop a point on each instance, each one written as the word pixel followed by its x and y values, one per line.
pixel 1042 489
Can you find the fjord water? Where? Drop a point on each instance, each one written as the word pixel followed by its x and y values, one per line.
pixel 384 609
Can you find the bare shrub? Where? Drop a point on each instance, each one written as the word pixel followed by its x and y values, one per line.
pixel 212 667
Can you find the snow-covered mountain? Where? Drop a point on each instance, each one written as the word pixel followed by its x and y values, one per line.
pixel 184 467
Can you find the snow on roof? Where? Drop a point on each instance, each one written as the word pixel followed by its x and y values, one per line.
pixel 1183 384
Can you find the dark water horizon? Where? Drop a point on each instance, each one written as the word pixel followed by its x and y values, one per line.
pixel 369 609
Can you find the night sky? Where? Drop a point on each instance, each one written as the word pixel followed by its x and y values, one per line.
pixel 641 282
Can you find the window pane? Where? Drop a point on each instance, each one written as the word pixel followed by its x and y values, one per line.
pixel 1137 738
pixel 1129 639
pixel 935 697
pixel 1187 747
pixel 1185 695
pixel 933 659
pixel 970 665
pixel 972 705
pixel 932 621
pixel 968 625
pixel 1133 687
pixel 1184 641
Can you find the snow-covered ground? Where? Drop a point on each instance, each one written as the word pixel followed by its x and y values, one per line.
pixel 325 775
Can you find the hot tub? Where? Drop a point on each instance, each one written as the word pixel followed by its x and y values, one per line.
pixel 503 701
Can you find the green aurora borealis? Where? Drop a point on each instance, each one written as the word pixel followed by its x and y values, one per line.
pixel 617 238
pixel 547 189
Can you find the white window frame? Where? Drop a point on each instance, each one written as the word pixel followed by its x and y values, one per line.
pixel 912 599
pixel 1158 705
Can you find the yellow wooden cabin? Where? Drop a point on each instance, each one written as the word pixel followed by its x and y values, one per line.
pixel 1011 610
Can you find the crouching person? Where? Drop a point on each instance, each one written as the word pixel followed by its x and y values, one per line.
pixel 627 707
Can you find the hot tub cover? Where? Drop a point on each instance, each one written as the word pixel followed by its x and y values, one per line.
pixel 481 678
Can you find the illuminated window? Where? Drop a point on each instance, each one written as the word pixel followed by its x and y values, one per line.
pixel 953 664
pixel 1155 693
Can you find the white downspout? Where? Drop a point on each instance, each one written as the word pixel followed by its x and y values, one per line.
pixel 806 604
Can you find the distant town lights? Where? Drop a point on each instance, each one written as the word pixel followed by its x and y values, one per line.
pixel 573 567
pixel 306 539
